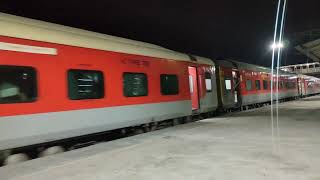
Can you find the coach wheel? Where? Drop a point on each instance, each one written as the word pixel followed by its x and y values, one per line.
pixel 16 158
pixel 188 119
pixel 146 128
pixel 175 121
pixel 153 126
pixel 138 131
pixel 51 151
pixel 123 131
pixel 209 115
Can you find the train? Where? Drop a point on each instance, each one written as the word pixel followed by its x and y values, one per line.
pixel 58 83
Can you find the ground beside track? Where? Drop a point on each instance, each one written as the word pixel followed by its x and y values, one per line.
pixel 235 146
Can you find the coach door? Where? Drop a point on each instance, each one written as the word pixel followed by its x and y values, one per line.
pixel 236 87
pixel 303 87
pixel 300 86
pixel 194 87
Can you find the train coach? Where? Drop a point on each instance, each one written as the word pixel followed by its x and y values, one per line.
pixel 308 85
pixel 242 85
pixel 256 84
pixel 58 82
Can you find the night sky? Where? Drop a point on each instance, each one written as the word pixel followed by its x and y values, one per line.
pixel 238 29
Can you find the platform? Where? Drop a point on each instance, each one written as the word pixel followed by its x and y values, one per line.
pixel 234 146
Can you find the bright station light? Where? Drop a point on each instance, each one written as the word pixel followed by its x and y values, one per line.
pixel 277 45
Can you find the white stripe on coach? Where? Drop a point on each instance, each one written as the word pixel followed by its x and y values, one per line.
pixel 27 48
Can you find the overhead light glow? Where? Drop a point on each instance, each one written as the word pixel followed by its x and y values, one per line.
pixel 273 46
pixel 277 45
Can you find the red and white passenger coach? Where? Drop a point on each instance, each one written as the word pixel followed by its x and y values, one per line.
pixel 58 82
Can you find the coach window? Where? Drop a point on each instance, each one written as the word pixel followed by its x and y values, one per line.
pixel 249 85
pixel 265 84
pixel 279 84
pixel 85 84
pixel 169 84
pixel 269 85
pixel 288 85
pixel 228 84
pixel 291 85
pixel 258 87
pixel 208 82
pixel 135 84
pixel 191 83
pixel 18 84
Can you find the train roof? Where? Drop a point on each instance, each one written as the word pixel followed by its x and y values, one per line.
pixel 242 65
pixel 224 63
pixel 25 28
pixel 204 60
pixel 247 66
pixel 307 77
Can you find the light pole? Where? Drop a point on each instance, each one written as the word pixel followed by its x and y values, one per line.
pixel 277 46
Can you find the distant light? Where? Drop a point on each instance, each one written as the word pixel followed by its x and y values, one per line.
pixel 277 45
pixel 273 46
pixel 280 45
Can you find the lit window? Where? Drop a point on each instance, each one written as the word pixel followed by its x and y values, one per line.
pixel 228 84
pixel 265 84
pixel 249 85
pixel 208 81
pixel 135 84
pixel 258 87
pixel 85 84
pixel 191 83
pixel 17 84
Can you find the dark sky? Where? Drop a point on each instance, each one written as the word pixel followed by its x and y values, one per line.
pixel 238 29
